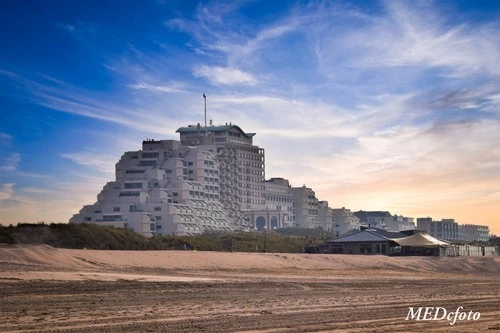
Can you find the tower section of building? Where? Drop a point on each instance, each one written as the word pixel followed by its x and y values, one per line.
pixel 241 167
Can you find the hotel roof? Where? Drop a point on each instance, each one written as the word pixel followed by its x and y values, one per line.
pixel 220 128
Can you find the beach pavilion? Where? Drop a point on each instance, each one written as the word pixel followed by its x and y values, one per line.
pixel 378 241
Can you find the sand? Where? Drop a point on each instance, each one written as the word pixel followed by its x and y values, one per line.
pixel 44 289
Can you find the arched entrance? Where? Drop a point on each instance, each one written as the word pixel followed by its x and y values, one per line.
pixel 260 223
pixel 274 223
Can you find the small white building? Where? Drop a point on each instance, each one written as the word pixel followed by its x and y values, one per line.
pixel 306 214
pixel 475 233
pixel 326 216
pixel 345 220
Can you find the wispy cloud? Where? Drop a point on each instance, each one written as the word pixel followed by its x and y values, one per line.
pixel 5 138
pixel 409 35
pixel 43 191
pixel 150 87
pixel 49 203
pixel 99 162
pixel 68 27
pixel 74 100
pixel 225 76
pixel 6 191
pixel 11 162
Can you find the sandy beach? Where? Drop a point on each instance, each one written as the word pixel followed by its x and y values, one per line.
pixel 44 289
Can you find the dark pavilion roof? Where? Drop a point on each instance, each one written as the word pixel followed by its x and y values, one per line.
pixel 363 236
pixel 367 235
pixel 221 128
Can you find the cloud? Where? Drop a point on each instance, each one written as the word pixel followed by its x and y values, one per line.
pixel 5 138
pixel 154 88
pixel 226 76
pixel 99 162
pixel 413 35
pixel 6 191
pixel 11 162
pixel 480 97
pixel 60 96
pixel 49 203
pixel 43 191
pixel 68 27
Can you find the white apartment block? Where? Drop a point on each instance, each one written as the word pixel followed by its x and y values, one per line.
pixel 345 220
pixel 450 230
pixel 326 216
pixel 446 229
pixel 241 166
pixel 475 233
pixel 401 223
pixel 385 220
pixel 306 214
pixel 162 189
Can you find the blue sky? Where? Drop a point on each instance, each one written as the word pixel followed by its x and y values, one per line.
pixel 376 105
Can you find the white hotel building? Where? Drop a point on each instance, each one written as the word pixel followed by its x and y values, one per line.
pixel 213 179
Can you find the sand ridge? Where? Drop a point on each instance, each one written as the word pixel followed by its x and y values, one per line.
pixel 46 256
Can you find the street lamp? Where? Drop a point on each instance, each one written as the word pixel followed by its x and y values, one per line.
pixel 265 239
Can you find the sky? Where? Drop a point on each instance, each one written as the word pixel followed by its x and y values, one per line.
pixel 375 105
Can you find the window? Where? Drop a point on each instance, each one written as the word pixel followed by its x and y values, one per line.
pixel 157 209
pixel 129 194
pixel 147 163
pixel 116 209
pixel 111 217
pixel 150 155
pixel 158 218
pixel 87 218
pixel 365 248
pixel 337 248
pixel 133 185
pixel 135 171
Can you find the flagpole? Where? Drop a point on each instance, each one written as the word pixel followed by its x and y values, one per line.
pixel 205 97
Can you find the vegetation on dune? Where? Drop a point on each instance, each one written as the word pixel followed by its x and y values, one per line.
pixel 91 236
pixel 306 232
